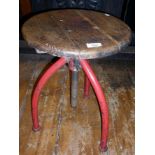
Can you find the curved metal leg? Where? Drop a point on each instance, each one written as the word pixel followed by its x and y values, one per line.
pixel 102 102
pixel 86 86
pixel 50 71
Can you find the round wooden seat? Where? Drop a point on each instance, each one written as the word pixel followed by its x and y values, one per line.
pixel 76 33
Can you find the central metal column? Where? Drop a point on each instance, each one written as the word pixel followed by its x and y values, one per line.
pixel 74 66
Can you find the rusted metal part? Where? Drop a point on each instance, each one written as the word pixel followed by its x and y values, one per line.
pixel 50 71
pixel 74 64
pixel 101 100
pixel 74 67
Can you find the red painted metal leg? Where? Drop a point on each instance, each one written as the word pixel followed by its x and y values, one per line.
pixel 102 102
pixel 50 71
pixel 86 86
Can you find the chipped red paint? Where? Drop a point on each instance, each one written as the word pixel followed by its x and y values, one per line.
pixel 89 78
pixel 51 70
pixel 102 102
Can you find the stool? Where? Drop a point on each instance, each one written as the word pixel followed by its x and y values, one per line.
pixel 75 36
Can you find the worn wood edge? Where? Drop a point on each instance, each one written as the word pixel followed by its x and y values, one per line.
pixel 24 46
pixel 82 55
pixel 127 51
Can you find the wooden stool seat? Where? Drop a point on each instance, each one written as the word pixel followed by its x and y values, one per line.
pixel 76 33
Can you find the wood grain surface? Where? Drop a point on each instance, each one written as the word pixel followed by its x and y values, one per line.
pixel 69 32
pixel 68 131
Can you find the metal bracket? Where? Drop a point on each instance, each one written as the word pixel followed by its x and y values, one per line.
pixel 74 65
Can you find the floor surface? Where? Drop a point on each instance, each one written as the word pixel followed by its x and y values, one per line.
pixel 68 131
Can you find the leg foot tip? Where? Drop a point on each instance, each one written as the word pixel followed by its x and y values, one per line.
pixel 103 149
pixel 85 96
pixel 36 129
pixel 74 107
